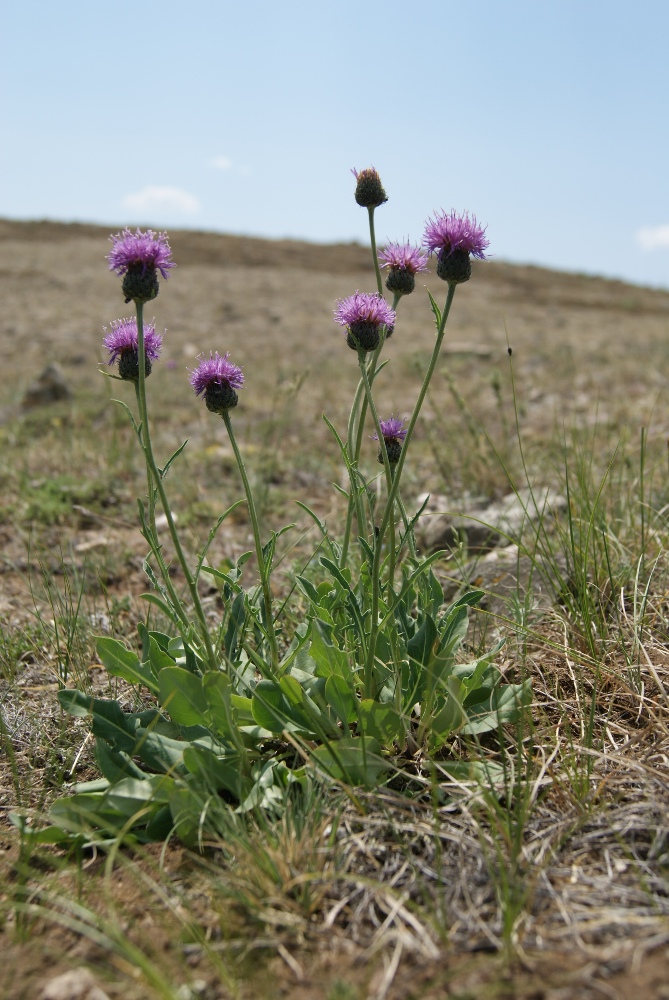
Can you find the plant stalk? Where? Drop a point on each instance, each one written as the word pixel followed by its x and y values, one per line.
pixel 376 583
pixel 262 567
pixel 152 468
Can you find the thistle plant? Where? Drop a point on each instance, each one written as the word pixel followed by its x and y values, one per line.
pixel 247 711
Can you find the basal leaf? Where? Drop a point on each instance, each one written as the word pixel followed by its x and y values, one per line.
pixel 505 704
pixel 379 721
pixel 122 662
pixel 340 697
pixel 181 695
pixel 355 760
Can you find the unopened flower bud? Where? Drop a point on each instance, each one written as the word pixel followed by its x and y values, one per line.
pixel 369 192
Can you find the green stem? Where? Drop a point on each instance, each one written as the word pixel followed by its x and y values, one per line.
pixel 157 480
pixel 382 448
pixel 151 493
pixel 371 372
pixel 378 542
pixel 374 625
pixel 356 421
pixel 411 541
pixel 354 503
pixel 262 568
pixel 372 237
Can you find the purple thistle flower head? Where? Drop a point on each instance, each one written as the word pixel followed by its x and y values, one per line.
pixel 217 379
pixel 404 256
pixel 392 429
pixel 137 256
pixel 149 250
pixel 363 313
pixel 404 262
pixel 369 191
pixel 453 238
pixel 122 344
pixel 394 433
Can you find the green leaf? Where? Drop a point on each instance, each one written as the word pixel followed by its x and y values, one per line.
pixel 166 468
pixel 136 426
pixel 273 711
pixel 308 589
pixel 243 707
pixel 305 710
pixel 159 658
pixel 270 709
pixel 217 690
pixel 189 813
pixel 420 646
pixel 355 760
pixel 341 698
pixel 81 814
pixel 353 603
pixel 435 309
pixel 166 609
pixel 234 633
pixel 160 826
pixel 482 771
pixel 122 662
pixel 109 720
pixel 181 695
pixel 160 753
pixel 448 717
pixel 505 704
pixel 161 638
pixel 115 764
pixel 216 773
pixel 382 722
pixel 329 659
pixel 46 835
pixel 128 796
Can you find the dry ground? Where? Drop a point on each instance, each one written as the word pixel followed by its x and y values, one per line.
pixel 591 367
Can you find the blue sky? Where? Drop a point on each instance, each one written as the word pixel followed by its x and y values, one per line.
pixel 547 120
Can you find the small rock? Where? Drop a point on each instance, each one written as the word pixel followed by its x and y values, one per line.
pixel 481 527
pixel 50 387
pixel 515 586
pixel 162 523
pixel 78 984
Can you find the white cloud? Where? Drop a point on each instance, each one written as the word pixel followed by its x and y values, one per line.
pixel 653 237
pixel 153 198
pixel 222 162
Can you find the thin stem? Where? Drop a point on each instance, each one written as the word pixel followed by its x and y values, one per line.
pixel 143 422
pixel 372 236
pixel 377 423
pixel 353 500
pixel 263 569
pixel 411 541
pixel 151 493
pixel 157 479
pixel 356 420
pixel 374 625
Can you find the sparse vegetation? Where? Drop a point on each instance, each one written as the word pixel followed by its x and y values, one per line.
pixel 554 843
